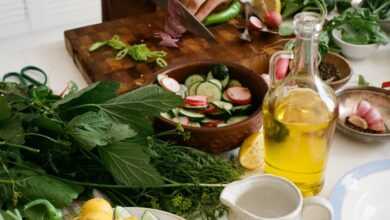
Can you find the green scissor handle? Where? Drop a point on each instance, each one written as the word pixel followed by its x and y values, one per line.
pixel 25 78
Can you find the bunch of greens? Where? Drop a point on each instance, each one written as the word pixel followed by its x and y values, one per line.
pixel 378 7
pixel 358 26
pixel 60 148
pixel 138 52
pixel 291 7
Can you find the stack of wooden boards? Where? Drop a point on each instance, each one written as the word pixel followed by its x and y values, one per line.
pixel 102 65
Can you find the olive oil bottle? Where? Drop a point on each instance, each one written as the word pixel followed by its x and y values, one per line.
pixel 300 112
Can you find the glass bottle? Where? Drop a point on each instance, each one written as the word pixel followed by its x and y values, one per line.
pixel 300 112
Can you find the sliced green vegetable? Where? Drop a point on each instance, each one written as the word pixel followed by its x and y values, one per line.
pixel 191 114
pixel 225 81
pixel 192 89
pixel 216 82
pixel 195 78
pixel 226 106
pixel 210 90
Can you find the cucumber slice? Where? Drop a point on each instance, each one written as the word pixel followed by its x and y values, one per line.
pixel 216 82
pixel 182 92
pixel 161 76
pixel 222 125
pixel 225 81
pixel 166 115
pixel 149 216
pixel 223 105
pixel 181 120
pixel 210 75
pixel 174 112
pixel 234 83
pixel 192 89
pixel 236 119
pixel 193 79
pixel 191 114
pixel 241 109
pixel 210 90
pixel 194 124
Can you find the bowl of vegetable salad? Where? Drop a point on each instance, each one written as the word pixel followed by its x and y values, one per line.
pixel 221 103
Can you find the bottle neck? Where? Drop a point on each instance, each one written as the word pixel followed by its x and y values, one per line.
pixel 306 56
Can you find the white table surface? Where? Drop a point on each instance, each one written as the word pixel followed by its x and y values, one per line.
pixel 47 50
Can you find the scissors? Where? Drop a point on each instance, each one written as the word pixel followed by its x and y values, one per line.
pixel 26 78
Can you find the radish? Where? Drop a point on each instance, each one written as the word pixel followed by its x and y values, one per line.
pixel 170 84
pixel 373 116
pixel 273 19
pixel 198 101
pixel 378 127
pixel 255 23
pixel 281 68
pixel 239 95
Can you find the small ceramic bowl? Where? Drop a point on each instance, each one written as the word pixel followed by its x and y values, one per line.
pixel 354 51
pixel 218 140
pixel 342 65
pixel 348 100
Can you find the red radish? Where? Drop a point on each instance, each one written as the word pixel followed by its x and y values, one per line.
pixel 170 84
pixel 196 100
pixel 281 68
pixel 373 116
pixel 212 123
pixel 273 19
pixel 386 85
pixel 379 127
pixel 239 95
pixel 225 96
pixel 363 108
pixel 255 23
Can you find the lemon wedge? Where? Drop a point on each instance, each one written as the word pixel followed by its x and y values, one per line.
pixel 251 154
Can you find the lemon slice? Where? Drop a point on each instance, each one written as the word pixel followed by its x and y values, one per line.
pixel 251 154
pixel 263 6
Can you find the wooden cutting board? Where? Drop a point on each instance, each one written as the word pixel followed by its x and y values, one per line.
pixel 102 65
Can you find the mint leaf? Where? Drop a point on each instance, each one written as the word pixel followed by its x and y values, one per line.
pixel 129 164
pixel 362 81
pixel 93 129
pixel 98 92
pixel 138 107
pixel 5 109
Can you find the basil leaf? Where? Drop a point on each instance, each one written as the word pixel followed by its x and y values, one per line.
pixel 129 164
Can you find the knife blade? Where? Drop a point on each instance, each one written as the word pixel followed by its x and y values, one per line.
pixel 188 20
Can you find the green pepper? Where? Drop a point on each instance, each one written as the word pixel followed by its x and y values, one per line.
pixel 221 17
pixel 52 212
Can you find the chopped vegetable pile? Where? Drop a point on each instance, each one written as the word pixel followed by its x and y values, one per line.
pixel 212 100
pixel 58 149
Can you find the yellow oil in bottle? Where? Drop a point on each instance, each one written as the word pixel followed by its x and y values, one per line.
pixel 297 134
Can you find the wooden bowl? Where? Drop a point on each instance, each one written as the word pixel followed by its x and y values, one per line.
pixel 342 65
pixel 218 140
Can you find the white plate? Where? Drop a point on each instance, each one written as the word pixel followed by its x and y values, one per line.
pixel 363 193
pixel 161 215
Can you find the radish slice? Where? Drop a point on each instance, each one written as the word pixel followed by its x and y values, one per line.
pixel 255 23
pixel 182 120
pixel 210 109
pixel 363 108
pixel 373 116
pixel 239 95
pixel 198 101
pixel 379 127
pixel 281 68
pixel 170 84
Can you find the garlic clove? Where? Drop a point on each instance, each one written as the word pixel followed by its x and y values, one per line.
pixel 357 121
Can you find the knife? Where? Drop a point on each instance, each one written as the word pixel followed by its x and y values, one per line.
pixel 188 20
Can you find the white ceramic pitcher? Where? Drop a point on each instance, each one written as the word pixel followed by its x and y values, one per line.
pixel 267 197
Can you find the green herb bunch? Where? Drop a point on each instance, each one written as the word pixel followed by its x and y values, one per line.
pixel 60 148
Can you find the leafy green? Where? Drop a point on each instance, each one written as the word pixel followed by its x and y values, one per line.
pixel 93 129
pixel 358 26
pixel 362 81
pixel 138 107
pixel 5 109
pixel 96 93
pixel 129 164
pixel 291 7
pixel 378 7
pixel 11 130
